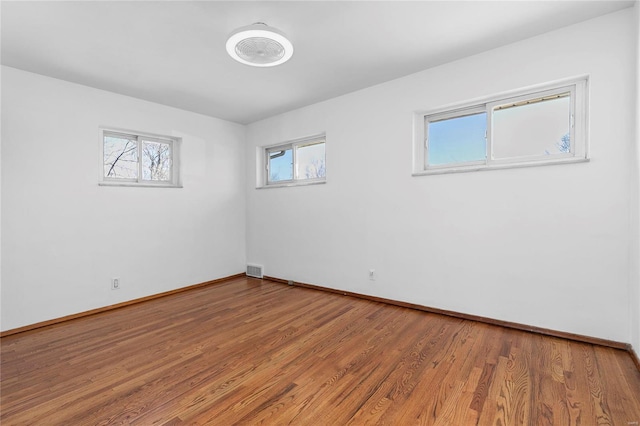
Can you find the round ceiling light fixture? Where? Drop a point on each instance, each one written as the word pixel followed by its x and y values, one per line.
pixel 259 45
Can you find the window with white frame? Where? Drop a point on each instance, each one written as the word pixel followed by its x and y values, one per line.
pixel 297 162
pixel 545 125
pixel 130 158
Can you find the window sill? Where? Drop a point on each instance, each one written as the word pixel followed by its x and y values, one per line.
pixel 284 185
pixel 483 167
pixel 143 185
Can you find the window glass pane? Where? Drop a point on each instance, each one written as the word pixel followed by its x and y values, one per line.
pixel 120 157
pixel 280 165
pixel 538 127
pixel 311 161
pixel 156 161
pixel 457 140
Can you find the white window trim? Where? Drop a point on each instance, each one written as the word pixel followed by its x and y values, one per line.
pixel 263 163
pixel 174 142
pixel 577 86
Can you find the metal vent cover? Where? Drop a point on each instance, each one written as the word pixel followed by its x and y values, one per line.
pixel 254 271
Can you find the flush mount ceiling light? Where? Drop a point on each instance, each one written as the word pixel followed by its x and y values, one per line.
pixel 259 45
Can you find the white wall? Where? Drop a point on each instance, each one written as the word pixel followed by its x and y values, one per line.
pixel 64 237
pixel 545 246
pixel 554 247
pixel 0 201
pixel 634 300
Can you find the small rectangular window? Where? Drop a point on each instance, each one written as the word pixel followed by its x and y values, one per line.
pixel 300 161
pixel 542 126
pixel 136 159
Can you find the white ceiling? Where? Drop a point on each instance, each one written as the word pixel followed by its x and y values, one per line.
pixel 173 53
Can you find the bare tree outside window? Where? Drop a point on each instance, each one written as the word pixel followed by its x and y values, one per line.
pixel 156 161
pixel 316 169
pixel 120 157
pixel 564 145
pixel 311 160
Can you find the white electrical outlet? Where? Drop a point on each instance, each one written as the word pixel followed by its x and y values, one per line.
pixel 372 274
pixel 115 283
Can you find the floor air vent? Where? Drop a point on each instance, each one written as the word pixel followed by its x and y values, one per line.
pixel 254 271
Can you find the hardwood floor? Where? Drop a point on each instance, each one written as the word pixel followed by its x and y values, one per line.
pixel 248 351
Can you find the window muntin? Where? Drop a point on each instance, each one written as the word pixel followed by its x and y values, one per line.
pixel 296 162
pixel 542 126
pixel 135 159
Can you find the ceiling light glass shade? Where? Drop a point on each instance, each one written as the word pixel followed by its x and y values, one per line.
pixel 259 45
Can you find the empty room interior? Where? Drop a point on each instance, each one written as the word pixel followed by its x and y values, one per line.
pixel 320 213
